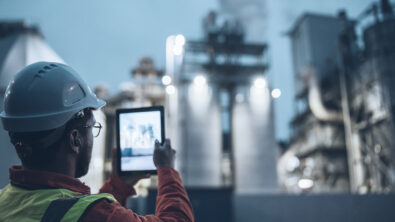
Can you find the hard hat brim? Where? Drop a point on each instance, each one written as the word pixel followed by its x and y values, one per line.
pixel 43 122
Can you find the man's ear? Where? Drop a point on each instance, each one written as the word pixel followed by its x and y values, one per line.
pixel 75 141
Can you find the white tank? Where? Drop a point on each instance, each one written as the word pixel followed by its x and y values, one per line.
pixel 255 149
pixel 199 135
pixel 19 49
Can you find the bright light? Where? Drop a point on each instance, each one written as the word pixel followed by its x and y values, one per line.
pixel 177 50
pixel 170 89
pixel 199 80
pixel 260 95
pixel 260 83
pixel 305 183
pixel 166 80
pixel 199 95
pixel 292 163
pixel 180 40
pixel 276 93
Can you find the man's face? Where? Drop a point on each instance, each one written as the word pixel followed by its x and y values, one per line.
pixel 85 154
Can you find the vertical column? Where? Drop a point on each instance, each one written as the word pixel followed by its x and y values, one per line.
pixel 255 150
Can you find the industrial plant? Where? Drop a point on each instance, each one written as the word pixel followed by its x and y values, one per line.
pixel 338 163
pixel 343 129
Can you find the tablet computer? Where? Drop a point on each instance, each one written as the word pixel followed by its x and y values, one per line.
pixel 137 130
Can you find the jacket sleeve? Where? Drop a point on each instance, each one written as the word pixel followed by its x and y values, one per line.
pixel 172 202
pixel 118 189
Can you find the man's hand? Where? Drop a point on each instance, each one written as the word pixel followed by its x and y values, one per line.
pixel 129 180
pixel 164 155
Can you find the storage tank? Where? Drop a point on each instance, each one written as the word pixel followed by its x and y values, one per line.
pixel 199 134
pixel 254 146
pixel 20 45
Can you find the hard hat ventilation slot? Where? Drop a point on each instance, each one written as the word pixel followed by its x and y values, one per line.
pixel 39 74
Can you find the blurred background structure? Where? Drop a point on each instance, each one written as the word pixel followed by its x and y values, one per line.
pixel 343 129
pixel 226 103
pixel 20 45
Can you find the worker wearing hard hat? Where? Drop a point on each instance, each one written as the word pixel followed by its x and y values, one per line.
pixel 48 114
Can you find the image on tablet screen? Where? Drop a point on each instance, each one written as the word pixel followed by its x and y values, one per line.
pixel 138 132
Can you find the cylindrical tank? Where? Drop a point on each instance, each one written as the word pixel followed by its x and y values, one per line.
pixel 380 49
pixel 379 38
pixel 22 46
pixel 199 133
pixel 379 65
pixel 255 150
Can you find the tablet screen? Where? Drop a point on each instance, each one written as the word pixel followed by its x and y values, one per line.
pixel 137 133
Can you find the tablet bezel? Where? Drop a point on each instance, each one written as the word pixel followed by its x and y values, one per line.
pixel 137 110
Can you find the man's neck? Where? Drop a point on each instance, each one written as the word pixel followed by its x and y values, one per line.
pixel 58 168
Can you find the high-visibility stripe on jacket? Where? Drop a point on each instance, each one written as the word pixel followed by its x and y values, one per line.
pixel 17 204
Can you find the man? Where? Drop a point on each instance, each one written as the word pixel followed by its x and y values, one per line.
pixel 48 114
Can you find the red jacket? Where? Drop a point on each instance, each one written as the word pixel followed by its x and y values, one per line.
pixel 172 201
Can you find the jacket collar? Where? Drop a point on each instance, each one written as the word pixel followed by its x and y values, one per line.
pixel 38 179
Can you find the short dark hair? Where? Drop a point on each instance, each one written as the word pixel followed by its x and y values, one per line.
pixel 36 148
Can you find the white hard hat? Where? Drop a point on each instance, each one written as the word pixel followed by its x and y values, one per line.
pixel 44 96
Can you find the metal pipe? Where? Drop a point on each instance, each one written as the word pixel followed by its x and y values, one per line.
pixel 315 100
pixel 354 155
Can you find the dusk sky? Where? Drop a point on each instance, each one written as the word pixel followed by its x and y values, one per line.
pixel 103 40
